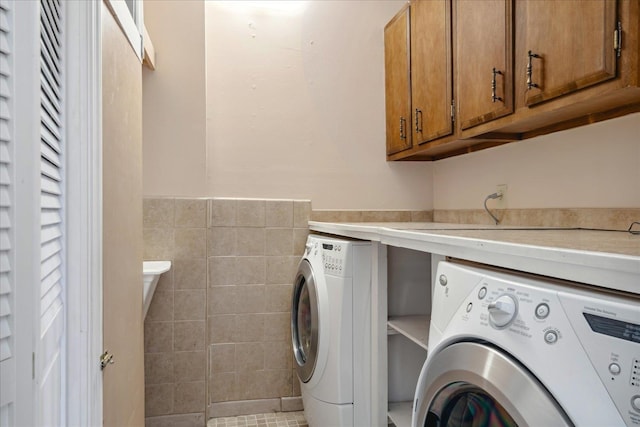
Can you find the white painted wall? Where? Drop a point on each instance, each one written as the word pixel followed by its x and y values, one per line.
pixel 174 149
pixel 592 166
pixel 295 105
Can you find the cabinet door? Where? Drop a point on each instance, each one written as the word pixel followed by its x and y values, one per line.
pixel 484 60
pixel 397 82
pixel 431 75
pixel 571 43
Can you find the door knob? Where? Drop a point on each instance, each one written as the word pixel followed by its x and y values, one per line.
pixel 106 359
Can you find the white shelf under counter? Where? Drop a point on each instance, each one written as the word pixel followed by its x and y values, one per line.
pixel 415 327
pixel 400 413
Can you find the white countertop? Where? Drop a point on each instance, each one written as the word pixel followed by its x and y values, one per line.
pixel 608 259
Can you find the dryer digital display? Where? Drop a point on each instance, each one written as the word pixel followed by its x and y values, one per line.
pixel 613 328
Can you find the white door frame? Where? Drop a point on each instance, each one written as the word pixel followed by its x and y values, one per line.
pixel 84 213
pixel 81 399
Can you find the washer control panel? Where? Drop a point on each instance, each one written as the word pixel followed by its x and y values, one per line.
pixel 333 253
pixel 549 324
pixel 502 311
pixel 518 310
pixel 334 257
pixel 609 331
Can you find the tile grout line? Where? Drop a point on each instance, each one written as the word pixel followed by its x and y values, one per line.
pixel 272 419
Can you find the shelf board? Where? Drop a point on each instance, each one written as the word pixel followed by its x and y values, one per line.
pixel 400 413
pixel 416 328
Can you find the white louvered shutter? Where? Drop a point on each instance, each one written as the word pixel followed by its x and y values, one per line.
pixel 7 201
pixel 49 366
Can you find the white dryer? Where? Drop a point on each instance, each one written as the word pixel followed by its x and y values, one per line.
pixel 511 349
pixel 330 329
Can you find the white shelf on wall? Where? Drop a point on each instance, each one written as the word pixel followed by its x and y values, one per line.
pixel 400 413
pixel 416 328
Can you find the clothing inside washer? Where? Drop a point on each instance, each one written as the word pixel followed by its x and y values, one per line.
pixel 465 405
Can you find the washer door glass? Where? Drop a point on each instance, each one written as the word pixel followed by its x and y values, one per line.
pixel 462 404
pixel 470 384
pixel 303 324
pixel 304 321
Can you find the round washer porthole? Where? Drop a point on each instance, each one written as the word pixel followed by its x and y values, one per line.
pixel 472 383
pixel 304 321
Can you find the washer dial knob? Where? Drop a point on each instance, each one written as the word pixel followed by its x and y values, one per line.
pixel 503 310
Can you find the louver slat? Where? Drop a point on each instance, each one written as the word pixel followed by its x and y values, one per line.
pixel 6 209
pixel 52 255
pixel 6 192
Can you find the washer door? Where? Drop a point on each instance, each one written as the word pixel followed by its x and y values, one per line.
pixel 471 384
pixel 304 321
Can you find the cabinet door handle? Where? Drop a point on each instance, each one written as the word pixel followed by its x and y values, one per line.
pixel 418 120
pixel 495 98
pixel 530 83
pixel 403 133
pixel 617 39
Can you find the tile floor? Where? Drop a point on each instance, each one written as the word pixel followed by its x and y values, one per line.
pixel 273 419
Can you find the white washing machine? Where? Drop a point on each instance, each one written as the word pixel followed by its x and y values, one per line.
pixel 330 329
pixel 511 349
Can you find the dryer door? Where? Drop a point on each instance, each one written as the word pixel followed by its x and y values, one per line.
pixel 472 384
pixel 304 321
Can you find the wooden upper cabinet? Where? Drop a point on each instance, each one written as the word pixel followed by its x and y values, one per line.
pixel 515 69
pixel 484 60
pixel 431 75
pixel 397 82
pixel 569 46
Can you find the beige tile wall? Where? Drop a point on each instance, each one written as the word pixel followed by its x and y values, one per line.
pixel 175 326
pixel 254 247
pixel 597 218
pixel 371 216
pixel 592 218
pixel 217 333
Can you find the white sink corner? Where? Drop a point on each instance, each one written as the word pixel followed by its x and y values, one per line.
pixel 151 272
